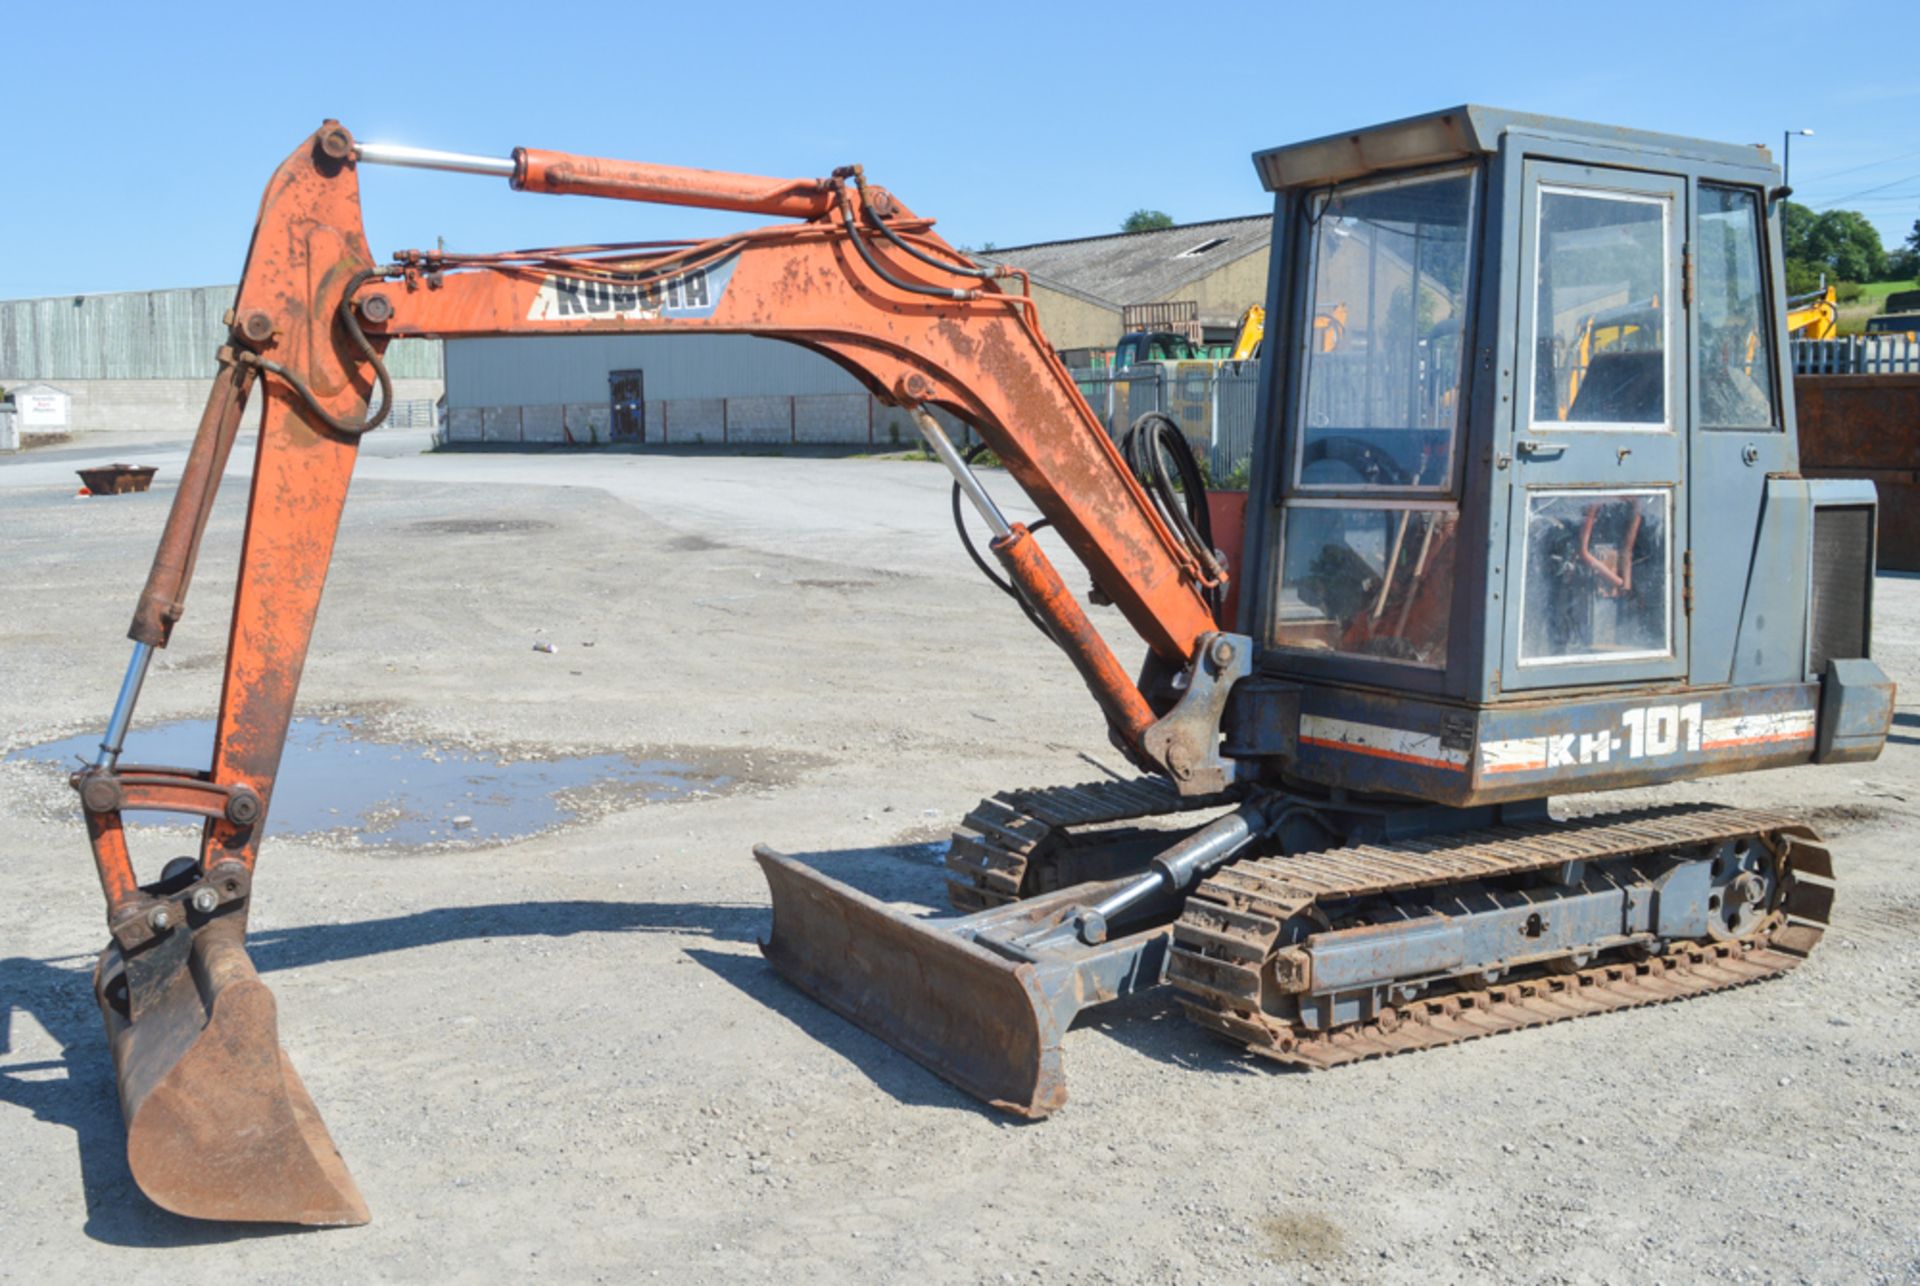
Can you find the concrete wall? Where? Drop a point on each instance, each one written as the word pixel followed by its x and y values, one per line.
pixel 1071 321
pixel 170 406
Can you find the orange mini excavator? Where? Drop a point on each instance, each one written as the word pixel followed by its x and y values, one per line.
pixel 1479 569
pixel 219 1125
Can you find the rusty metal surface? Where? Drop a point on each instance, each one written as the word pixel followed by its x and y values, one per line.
pixel 117 479
pixel 1229 963
pixel 1030 569
pixel 164 599
pixel 1227 511
pixel 1867 422
pixel 1868 426
pixel 972 1017
pixel 540 170
pixel 219 1125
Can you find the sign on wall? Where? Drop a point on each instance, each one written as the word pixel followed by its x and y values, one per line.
pixel 40 409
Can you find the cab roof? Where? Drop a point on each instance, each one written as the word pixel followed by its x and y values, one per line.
pixel 1456 133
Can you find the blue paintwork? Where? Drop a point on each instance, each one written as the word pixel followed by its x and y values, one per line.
pixel 1856 713
pixel 1741 514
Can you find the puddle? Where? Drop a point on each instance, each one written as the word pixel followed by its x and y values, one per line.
pixel 334 778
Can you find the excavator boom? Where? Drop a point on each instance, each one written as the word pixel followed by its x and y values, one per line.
pixel 218 1122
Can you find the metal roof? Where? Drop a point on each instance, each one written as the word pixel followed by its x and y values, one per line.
pixel 1457 132
pixel 1137 267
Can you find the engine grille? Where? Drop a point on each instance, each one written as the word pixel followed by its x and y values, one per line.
pixel 1842 584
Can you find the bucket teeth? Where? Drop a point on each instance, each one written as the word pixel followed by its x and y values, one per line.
pixel 219 1125
pixel 974 1018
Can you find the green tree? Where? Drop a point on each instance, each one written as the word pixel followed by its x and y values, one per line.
pixel 1839 243
pixel 1904 264
pixel 1803 278
pixel 1146 221
pixel 1848 245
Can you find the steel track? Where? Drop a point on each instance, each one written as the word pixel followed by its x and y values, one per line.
pixel 1227 940
pixel 1011 845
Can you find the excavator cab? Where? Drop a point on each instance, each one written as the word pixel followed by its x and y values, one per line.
pixel 1594 496
pixel 1534 526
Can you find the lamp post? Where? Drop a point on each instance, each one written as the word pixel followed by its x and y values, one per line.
pixel 1786 149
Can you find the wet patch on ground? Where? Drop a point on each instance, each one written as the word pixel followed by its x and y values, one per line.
pixel 1843 817
pixel 343 782
pixel 822 583
pixel 1303 1235
pixel 477 526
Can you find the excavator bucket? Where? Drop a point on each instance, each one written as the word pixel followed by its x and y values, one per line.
pixel 218 1124
pixel 981 1000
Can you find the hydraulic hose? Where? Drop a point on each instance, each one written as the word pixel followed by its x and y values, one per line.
pixel 346 428
pixel 1000 582
pixel 866 254
pixel 1148 444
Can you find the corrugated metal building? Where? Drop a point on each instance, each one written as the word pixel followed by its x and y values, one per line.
pixel 1083 284
pixel 547 370
pixel 144 360
pixel 684 389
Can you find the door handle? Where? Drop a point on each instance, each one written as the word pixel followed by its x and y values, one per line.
pixel 1540 450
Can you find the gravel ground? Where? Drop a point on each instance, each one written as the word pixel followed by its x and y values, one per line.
pixel 562 1058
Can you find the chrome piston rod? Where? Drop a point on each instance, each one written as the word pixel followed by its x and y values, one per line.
pixel 123 706
pixel 1176 870
pixel 956 465
pixel 427 158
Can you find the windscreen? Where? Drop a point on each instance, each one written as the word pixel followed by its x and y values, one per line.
pixel 1389 275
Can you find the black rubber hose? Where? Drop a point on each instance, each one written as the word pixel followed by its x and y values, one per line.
pixel 1146 447
pixel 860 244
pixel 1000 582
pixel 960 270
pixel 352 323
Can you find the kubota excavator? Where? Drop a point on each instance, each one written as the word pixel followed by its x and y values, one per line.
pixel 1468 582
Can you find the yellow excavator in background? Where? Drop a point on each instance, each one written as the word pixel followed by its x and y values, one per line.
pixel 1253 327
pixel 1815 315
pixel 1328 327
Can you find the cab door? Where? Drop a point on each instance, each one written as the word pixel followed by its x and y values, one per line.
pixel 1597 531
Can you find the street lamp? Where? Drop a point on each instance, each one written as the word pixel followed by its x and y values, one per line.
pixel 1786 161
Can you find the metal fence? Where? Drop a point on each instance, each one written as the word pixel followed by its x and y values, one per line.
pixel 414 413
pixel 1856 355
pixel 1213 403
pixel 760 421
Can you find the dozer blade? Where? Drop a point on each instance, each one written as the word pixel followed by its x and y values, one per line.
pixel 218 1124
pixel 990 1021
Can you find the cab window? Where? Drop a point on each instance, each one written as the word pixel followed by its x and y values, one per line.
pixel 1736 349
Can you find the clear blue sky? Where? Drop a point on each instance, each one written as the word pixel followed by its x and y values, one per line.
pixel 139 135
